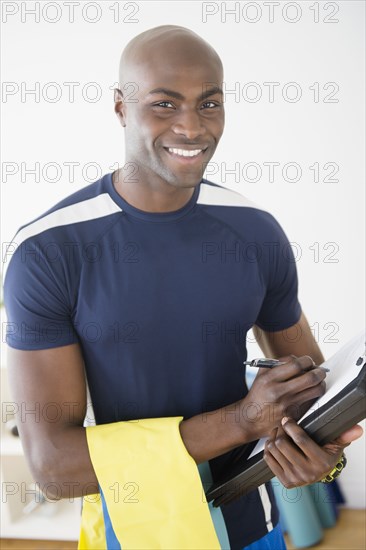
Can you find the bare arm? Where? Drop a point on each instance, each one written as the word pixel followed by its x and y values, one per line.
pixel 202 434
pixel 53 382
pixel 290 453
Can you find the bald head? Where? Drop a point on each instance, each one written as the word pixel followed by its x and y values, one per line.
pixel 167 44
pixel 170 97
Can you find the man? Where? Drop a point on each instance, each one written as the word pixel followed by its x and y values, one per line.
pixel 149 279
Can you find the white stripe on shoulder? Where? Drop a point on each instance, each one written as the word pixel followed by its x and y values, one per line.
pixel 82 211
pixel 222 196
pixel 90 209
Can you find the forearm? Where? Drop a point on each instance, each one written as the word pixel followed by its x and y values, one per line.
pixel 61 465
pixel 290 387
pixel 211 434
pixel 63 469
pixel 60 456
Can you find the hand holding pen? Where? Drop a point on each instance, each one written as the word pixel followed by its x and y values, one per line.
pixel 287 386
pixel 270 363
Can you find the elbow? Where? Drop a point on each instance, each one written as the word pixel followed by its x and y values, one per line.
pixel 60 466
pixel 48 474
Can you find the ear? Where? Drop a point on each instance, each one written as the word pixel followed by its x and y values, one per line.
pixel 119 106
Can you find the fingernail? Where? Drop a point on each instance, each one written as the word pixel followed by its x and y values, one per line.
pixel 284 420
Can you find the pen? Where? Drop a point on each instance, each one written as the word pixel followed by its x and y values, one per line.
pixel 268 363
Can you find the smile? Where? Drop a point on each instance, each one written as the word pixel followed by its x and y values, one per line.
pixel 185 155
pixel 185 152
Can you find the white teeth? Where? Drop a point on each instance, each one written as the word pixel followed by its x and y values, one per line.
pixel 185 152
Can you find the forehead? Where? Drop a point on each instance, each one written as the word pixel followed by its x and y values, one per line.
pixel 182 79
pixel 175 65
pixel 188 79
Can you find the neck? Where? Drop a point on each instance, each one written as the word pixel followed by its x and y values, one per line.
pixel 149 198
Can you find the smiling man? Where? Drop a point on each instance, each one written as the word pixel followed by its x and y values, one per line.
pixel 146 283
pixel 175 115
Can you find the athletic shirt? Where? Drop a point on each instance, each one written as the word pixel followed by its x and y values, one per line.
pixel 160 304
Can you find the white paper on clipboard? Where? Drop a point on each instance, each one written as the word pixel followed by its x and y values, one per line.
pixel 343 370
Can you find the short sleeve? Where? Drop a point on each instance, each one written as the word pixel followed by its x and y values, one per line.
pixel 36 302
pixel 281 308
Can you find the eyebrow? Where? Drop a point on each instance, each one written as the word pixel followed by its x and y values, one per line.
pixel 207 93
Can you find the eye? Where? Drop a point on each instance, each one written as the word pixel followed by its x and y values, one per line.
pixel 163 104
pixel 211 103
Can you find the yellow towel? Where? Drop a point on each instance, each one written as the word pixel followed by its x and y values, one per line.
pixel 151 486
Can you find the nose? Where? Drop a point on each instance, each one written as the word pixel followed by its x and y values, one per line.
pixel 189 124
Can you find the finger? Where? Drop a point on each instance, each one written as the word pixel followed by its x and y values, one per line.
pixel 302 404
pixel 273 465
pixel 272 435
pixel 300 399
pixel 294 366
pixel 311 359
pixel 291 454
pixel 307 379
pixel 349 435
pixel 310 449
pixel 284 452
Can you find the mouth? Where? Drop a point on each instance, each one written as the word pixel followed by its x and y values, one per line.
pixel 186 156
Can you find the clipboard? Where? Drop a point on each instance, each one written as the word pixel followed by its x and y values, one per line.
pixel 330 416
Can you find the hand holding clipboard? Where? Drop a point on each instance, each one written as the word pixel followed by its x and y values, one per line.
pixel 341 407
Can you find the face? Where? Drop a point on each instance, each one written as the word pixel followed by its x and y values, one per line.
pixel 173 128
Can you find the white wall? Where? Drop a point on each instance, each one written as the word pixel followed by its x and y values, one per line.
pixel 324 219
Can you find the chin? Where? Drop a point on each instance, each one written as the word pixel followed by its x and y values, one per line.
pixel 186 181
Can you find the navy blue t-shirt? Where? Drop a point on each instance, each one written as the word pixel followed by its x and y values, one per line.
pixel 160 304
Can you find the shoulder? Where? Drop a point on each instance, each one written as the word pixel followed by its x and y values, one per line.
pixel 217 195
pixel 86 204
pixel 237 210
pixel 77 219
pixel 89 203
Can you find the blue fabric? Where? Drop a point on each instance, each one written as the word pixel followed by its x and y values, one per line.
pixel 272 541
pixel 112 541
pixel 216 513
pixel 336 492
pixel 160 304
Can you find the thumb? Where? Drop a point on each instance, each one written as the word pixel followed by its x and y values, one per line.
pixel 349 435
